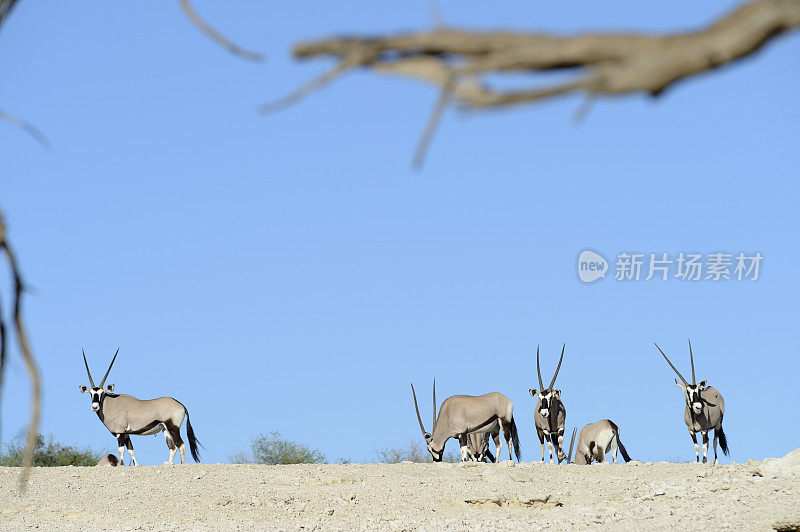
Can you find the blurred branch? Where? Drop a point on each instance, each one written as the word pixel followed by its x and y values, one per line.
pixel 5 8
pixel 24 347
pixel 458 62
pixel 27 127
pixel 216 36
pixel 605 64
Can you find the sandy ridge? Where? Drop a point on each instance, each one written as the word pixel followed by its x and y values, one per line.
pixel 403 496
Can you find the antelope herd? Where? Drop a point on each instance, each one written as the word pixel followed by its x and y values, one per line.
pixel 472 420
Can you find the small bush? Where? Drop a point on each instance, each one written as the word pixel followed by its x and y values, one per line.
pixel 48 454
pixel 272 449
pixel 412 452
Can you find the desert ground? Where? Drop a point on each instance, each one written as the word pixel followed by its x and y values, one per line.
pixel 757 495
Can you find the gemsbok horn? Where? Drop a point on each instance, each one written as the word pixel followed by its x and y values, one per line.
pixel 704 410
pixel 124 416
pixel 461 415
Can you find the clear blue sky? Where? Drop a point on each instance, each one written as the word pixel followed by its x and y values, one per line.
pixel 292 272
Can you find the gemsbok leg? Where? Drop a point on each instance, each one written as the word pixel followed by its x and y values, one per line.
pixel 696 447
pixel 541 441
pixel 506 428
pixel 121 444
pixel 462 441
pixel 175 432
pixel 497 445
pixel 171 445
pixel 705 446
pixel 129 445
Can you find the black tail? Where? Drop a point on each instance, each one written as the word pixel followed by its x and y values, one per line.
pixel 515 440
pixel 622 449
pixel 192 439
pixel 723 441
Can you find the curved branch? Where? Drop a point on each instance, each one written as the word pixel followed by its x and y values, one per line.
pixel 27 354
pixel 5 8
pixel 27 127
pixel 216 36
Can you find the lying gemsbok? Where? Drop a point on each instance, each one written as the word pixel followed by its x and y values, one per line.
pixel 703 412
pixel 124 415
pixel 464 414
pixel 594 441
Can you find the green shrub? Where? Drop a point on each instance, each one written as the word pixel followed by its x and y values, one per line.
pixel 272 449
pixel 48 454
pixel 412 452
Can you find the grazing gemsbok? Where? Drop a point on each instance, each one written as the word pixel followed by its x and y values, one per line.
pixel 594 441
pixel 704 410
pixel 463 414
pixel 550 413
pixel 124 415
pixel 478 443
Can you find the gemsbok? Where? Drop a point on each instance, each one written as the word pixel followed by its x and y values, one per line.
pixel 464 414
pixel 550 413
pixel 594 441
pixel 704 410
pixel 124 416
pixel 478 443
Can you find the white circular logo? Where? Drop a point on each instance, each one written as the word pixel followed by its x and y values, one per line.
pixel 591 266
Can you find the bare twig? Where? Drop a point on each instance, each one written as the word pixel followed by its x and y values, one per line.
pixel 445 96
pixel 435 11
pixel 5 8
pixel 216 36
pixel 2 350
pixel 22 338
pixel 27 127
pixel 604 64
pixel 583 110
pixel 301 92
pixel 27 354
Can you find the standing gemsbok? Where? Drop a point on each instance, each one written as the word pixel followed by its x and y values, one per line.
pixel 464 414
pixel 124 415
pixel 703 412
pixel 550 413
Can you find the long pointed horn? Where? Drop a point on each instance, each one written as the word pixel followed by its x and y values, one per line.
pixel 571 442
pixel 670 363
pixel 416 406
pixel 691 357
pixel 552 382
pixel 87 368
pixel 434 402
pixel 102 382
pixel 538 370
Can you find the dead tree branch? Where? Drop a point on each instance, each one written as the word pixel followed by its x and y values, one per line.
pixel 216 36
pixel 27 127
pixel 604 64
pixel 25 350
pixel 5 8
